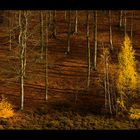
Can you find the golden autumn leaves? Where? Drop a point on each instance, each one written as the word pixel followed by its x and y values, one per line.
pixel 127 76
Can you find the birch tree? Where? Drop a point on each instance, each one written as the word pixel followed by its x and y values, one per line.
pixel 69 32
pixel 105 58
pixel 76 22
pixel 50 18
pixel 88 49
pixel 132 22
pixel 109 82
pixel 10 31
pixel 41 34
pixel 95 39
pixel 54 25
pixel 46 58
pixel 23 21
pixel 110 30
pixel 121 18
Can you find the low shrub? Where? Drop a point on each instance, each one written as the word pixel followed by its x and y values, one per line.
pixel 134 113
pixel 6 109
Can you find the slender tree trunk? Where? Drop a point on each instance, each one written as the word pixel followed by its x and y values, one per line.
pixel 121 18
pixel 50 18
pixel 110 30
pixel 46 61
pixel 105 84
pixel 22 43
pixel 105 87
pixel 25 39
pixel 76 22
pixel 113 95
pixel 53 35
pixel 10 31
pixel 132 17
pixel 88 50
pixel 125 23
pixel 69 32
pixel 95 39
pixel 108 85
pixel 42 34
pixel 10 40
pixel 21 61
pixel 22 85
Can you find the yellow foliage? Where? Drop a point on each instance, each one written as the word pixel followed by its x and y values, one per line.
pixel 134 113
pixel 127 76
pixel 6 109
pixel 121 104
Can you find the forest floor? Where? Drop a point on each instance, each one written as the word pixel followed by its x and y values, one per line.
pixel 70 105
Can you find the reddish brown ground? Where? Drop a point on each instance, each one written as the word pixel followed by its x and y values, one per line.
pixel 67 74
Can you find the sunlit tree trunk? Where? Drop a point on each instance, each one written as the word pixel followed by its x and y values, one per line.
pixel 121 18
pixel 107 86
pixel 21 62
pixel 95 39
pixel 22 43
pixel 25 39
pixel 110 30
pixel 50 18
pixel 88 50
pixel 46 59
pixel 76 22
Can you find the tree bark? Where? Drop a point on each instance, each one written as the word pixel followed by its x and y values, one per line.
pixel 46 60
pixel 76 22
pixel 110 30
pixel 88 50
pixel 50 18
pixel 41 34
pixel 95 39
pixel 53 34
pixel 132 17
pixel 125 23
pixel 108 84
pixel 121 18
pixel 69 32
pixel 105 83
pixel 22 43
pixel 10 31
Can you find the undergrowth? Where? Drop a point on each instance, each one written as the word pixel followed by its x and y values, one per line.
pixel 6 109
